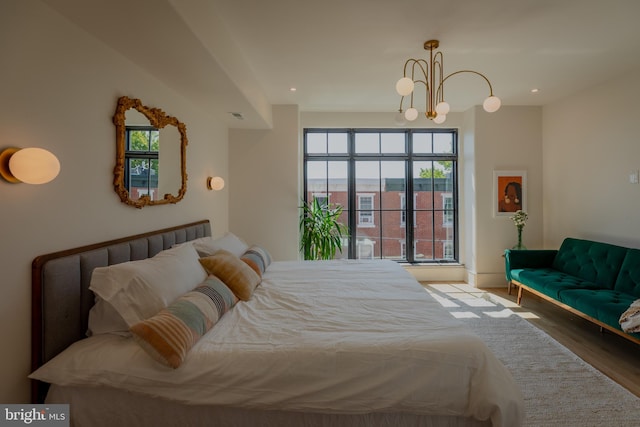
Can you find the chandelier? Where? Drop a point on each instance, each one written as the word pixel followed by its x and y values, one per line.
pixel 431 75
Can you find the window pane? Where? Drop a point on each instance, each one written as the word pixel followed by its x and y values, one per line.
pixel 155 138
pixel 444 176
pixel 337 172
pixel 367 176
pixel 423 184
pixel 423 236
pixel 316 169
pixel 138 178
pixel 443 143
pixel 322 198
pixel 367 243
pixel 393 235
pixel 138 140
pixel 338 143
pixel 448 213
pixel 393 183
pixel 392 143
pixel 344 254
pixel 316 178
pixel 422 143
pixel 367 142
pixel 154 168
pixel 316 143
pixel 153 178
pixel 444 244
pixel 448 250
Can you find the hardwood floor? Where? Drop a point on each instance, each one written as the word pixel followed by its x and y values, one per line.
pixel 613 355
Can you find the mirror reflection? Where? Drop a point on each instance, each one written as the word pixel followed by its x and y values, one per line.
pixel 150 155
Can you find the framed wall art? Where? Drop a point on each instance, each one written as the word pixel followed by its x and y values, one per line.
pixel 509 192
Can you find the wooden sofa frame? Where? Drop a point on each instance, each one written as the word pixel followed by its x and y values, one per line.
pixel 602 325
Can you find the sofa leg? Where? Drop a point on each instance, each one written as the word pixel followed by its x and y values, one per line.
pixel 519 299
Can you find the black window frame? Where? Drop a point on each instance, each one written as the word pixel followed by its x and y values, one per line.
pixel 409 157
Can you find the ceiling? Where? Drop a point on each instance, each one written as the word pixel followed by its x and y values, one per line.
pixel 346 55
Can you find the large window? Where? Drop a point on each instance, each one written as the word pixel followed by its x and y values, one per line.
pixel 371 174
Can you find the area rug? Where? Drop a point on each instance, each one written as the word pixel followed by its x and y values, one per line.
pixel 559 388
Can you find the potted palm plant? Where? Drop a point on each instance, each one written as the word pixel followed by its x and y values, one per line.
pixel 321 234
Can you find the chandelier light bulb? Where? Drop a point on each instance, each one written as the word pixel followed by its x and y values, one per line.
pixel 411 114
pixel 399 119
pixel 491 104
pixel 440 118
pixel 404 86
pixel 442 108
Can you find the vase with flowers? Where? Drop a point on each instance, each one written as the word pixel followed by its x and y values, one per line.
pixel 520 220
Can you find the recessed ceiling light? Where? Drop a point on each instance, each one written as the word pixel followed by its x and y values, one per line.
pixel 534 90
pixel 292 89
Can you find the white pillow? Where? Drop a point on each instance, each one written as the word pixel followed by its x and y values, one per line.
pixel 104 319
pixel 207 246
pixel 137 290
pixel 229 242
pixel 202 245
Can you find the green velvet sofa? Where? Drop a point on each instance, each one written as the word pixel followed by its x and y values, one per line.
pixel 597 281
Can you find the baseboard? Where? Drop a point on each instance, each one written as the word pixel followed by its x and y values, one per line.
pixel 456 273
pixel 435 273
pixel 486 280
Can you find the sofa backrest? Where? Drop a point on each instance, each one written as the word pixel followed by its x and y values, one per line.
pixel 629 278
pixel 596 262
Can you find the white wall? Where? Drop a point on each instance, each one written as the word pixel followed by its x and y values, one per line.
pixel 591 144
pixel 264 190
pixel 468 202
pixel 59 91
pixel 370 120
pixel 510 139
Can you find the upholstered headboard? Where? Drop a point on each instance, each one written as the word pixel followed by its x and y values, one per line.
pixel 61 298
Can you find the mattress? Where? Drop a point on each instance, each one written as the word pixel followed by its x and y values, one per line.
pixel 335 338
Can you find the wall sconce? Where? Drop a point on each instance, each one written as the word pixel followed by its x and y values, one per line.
pixel 215 183
pixel 28 165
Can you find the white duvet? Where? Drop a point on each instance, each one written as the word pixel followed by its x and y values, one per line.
pixel 317 336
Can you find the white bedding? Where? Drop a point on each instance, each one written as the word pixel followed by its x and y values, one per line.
pixel 340 337
pixel 124 409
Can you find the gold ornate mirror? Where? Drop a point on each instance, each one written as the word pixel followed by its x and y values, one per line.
pixel 151 152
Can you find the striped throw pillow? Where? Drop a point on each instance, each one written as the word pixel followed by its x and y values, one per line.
pixel 257 258
pixel 236 274
pixel 169 335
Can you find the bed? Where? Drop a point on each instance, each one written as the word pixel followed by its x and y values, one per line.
pixel 316 343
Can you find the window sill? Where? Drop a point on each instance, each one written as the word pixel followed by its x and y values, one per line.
pixel 450 271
